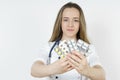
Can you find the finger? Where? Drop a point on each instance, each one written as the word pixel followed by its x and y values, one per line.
pixel 64 64
pixel 73 66
pixel 70 68
pixel 73 62
pixel 80 55
pixel 76 65
pixel 63 59
pixel 74 57
pixel 67 67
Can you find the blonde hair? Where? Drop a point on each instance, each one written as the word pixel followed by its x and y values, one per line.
pixel 57 31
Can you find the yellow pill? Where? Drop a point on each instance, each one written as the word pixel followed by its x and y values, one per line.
pixel 62 56
pixel 59 53
pixel 56 49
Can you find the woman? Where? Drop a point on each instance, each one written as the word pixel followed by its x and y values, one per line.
pixel 70 25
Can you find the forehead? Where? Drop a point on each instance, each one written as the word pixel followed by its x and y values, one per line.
pixel 70 12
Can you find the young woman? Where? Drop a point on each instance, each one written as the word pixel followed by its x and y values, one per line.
pixel 70 25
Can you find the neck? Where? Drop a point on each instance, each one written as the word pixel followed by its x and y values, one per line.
pixel 68 38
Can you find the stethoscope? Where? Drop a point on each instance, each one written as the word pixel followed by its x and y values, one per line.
pixel 50 52
pixel 50 55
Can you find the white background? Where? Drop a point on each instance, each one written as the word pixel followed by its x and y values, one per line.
pixel 25 24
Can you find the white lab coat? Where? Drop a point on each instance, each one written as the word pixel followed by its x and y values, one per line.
pixel 43 54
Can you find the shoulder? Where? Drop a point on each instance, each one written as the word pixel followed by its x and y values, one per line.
pixel 46 45
pixel 93 58
pixel 92 50
pixel 92 47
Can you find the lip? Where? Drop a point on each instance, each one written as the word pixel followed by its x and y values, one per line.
pixel 70 29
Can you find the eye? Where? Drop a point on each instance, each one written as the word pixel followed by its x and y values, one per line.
pixel 65 19
pixel 76 20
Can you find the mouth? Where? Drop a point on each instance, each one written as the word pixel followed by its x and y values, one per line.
pixel 70 29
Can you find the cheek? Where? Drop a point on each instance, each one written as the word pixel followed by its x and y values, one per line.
pixel 64 26
pixel 77 28
pixel 77 24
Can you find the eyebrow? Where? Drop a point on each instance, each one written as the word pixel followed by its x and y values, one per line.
pixel 73 17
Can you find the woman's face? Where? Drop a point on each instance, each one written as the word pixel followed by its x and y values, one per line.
pixel 70 23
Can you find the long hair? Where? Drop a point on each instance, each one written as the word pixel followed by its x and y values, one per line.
pixel 57 30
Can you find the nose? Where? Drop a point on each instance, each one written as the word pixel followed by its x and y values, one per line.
pixel 71 23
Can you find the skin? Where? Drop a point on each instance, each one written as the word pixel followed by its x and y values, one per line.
pixel 77 61
pixel 70 23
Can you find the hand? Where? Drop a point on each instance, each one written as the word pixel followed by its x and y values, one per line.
pixel 78 62
pixel 60 66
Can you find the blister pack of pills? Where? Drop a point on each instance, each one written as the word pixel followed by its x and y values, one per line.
pixel 66 46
